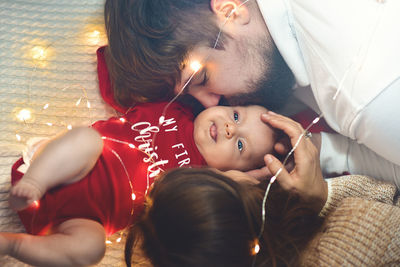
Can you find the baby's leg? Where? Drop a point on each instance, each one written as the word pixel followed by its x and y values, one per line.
pixel 65 159
pixel 76 242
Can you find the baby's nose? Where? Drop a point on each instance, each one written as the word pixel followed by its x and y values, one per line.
pixel 229 130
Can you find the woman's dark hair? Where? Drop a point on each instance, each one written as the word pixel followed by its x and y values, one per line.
pixel 149 41
pixel 198 217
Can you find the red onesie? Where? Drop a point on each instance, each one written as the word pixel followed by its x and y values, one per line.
pixel 105 194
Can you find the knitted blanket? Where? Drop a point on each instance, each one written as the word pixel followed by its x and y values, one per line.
pixel 48 83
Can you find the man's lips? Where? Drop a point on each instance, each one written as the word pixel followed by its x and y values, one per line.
pixel 213 132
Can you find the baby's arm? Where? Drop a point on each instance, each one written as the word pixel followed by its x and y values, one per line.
pixel 76 242
pixel 65 159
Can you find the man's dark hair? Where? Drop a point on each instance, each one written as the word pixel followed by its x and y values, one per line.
pixel 149 41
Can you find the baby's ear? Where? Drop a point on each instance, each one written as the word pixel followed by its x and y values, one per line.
pixel 233 9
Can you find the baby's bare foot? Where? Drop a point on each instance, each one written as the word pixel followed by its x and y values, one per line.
pixel 24 193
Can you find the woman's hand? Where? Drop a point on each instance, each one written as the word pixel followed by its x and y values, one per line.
pixel 306 177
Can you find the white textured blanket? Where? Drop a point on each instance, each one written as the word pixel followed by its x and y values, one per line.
pixel 48 81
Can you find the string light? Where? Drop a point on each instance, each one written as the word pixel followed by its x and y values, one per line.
pixel 94 37
pixel 195 66
pixel 49 123
pixel 24 115
pixel 36 204
pixel 255 247
pixel 39 53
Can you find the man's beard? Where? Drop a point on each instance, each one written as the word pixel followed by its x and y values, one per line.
pixel 273 88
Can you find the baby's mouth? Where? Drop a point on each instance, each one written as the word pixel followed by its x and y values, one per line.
pixel 213 132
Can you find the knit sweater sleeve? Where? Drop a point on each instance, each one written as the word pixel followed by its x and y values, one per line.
pixel 360 187
pixel 358 232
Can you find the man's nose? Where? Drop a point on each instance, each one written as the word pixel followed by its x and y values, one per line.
pixel 207 99
pixel 230 130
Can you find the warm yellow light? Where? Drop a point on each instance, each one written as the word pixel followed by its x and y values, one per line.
pixel 108 242
pixel 94 37
pixel 46 106
pixel 256 249
pixel 18 137
pixel 195 66
pixel 119 239
pixel 39 53
pixel 69 127
pixel 133 196
pixel 161 120
pixel 49 123
pixel 78 102
pixel 36 204
pixel 24 115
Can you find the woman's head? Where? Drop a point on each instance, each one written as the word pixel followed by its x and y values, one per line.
pixel 198 217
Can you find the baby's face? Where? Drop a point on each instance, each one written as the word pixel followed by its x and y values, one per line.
pixel 233 137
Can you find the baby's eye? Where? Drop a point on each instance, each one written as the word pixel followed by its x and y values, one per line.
pixel 235 116
pixel 240 145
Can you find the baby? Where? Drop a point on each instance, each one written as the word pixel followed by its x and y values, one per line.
pixel 91 182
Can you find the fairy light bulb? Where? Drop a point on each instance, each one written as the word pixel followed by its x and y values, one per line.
pixel 69 127
pixel 122 119
pixel 161 120
pixel 119 239
pixel 94 37
pixel 195 66
pixel 35 204
pixel 46 106
pixel 38 53
pixel 24 115
pixel 108 242
pixel 133 196
pixel 131 145
pixel 256 248
pixel 49 124
pixel 18 137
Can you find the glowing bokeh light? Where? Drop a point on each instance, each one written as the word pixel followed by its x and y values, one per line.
pixel 24 115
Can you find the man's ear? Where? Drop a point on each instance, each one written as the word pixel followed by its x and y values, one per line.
pixel 224 8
